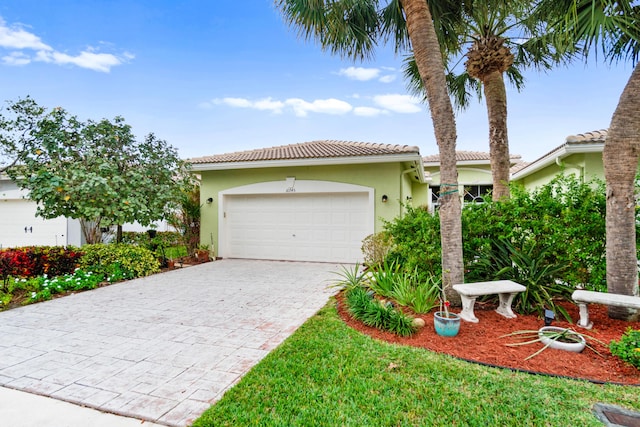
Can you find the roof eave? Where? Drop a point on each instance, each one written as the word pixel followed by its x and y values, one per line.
pixel 436 164
pixel 560 152
pixel 327 161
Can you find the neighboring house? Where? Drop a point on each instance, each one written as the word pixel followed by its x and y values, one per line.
pixel 474 176
pixel 580 155
pixel 313 201
pixel 19 225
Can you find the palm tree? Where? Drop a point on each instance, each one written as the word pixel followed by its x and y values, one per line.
pixel 614 27
pixel 500 42
pixel 352 29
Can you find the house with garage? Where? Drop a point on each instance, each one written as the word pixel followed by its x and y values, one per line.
pixel 313 201
pixel 19 225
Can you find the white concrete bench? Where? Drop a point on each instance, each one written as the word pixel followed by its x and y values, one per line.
pixel 506 290
pixel 582 298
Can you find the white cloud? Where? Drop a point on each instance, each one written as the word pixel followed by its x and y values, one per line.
pixel 16 58
pixel 234 102
pixel 87 59
pixel 265 104
pixel 16 38
pixel 269 105
pixel 368 111
pixel 387 79
pixel 397 103
pixel 300 107
pixel 359 73
pixel 384 104
pixel 323 106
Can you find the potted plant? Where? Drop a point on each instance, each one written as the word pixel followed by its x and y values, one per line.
pixel 446 324
pixel 554 337
pixel 202 253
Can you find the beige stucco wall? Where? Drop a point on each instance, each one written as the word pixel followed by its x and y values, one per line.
pixel 385 178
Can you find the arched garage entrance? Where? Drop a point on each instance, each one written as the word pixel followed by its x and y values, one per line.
pixel 296 221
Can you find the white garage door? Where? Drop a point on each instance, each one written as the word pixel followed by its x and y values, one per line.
pixel 297 227
pixel 19 226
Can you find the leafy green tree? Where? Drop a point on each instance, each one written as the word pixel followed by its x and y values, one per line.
pixel 17 136
pixel 613 28
pixel 353 29
pixel 96 172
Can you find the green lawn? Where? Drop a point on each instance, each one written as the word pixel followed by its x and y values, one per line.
pixel 327 374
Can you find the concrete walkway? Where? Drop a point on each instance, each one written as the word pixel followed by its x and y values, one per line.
pixel 161 348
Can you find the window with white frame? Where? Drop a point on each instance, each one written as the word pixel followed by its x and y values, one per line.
pixel 472 194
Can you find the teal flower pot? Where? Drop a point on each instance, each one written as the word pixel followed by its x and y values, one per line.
pixel 446 326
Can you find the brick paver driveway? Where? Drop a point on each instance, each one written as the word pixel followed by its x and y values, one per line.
pixel 165 347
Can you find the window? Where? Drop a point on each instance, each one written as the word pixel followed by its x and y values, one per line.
pixel 472 194
pixel 435 197
pixel 477 193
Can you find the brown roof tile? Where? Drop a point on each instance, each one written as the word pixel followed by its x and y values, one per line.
pixel 309 150
pixel 593 136
pixel 462 156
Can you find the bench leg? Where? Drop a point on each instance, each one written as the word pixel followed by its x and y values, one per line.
pixel 584 316
pixel 467 309
pixel 504 308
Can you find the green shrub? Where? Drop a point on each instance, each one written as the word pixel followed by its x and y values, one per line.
pixel 628 348
pixel 44 288
pixel 565 217
pixel 376 247
pixel 32 261
pixel 416 242
pixel 133 261
pixel 378 314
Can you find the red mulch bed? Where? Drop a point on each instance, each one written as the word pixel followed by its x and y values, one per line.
pixel 481 342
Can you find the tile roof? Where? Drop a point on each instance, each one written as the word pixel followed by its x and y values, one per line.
pixel 573 143
pixel 518 167
pixel 309 150
pixel 462 156
pixel 593 136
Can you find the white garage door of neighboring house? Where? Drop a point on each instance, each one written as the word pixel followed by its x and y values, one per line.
pixel 19 226
pixel 297 227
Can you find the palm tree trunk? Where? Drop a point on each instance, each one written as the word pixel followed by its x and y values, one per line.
pixel 496 98
pixel 620 159
pixel 431 68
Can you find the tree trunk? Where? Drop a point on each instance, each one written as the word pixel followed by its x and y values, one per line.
pixel 91 231
pixel 495 95
pixel 431 68
pixel 620 159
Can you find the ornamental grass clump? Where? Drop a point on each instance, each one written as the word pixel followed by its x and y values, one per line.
pixel 380 314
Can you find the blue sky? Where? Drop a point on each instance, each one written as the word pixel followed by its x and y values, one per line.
pixel 212 77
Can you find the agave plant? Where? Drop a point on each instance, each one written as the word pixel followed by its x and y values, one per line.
pixel 532 267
